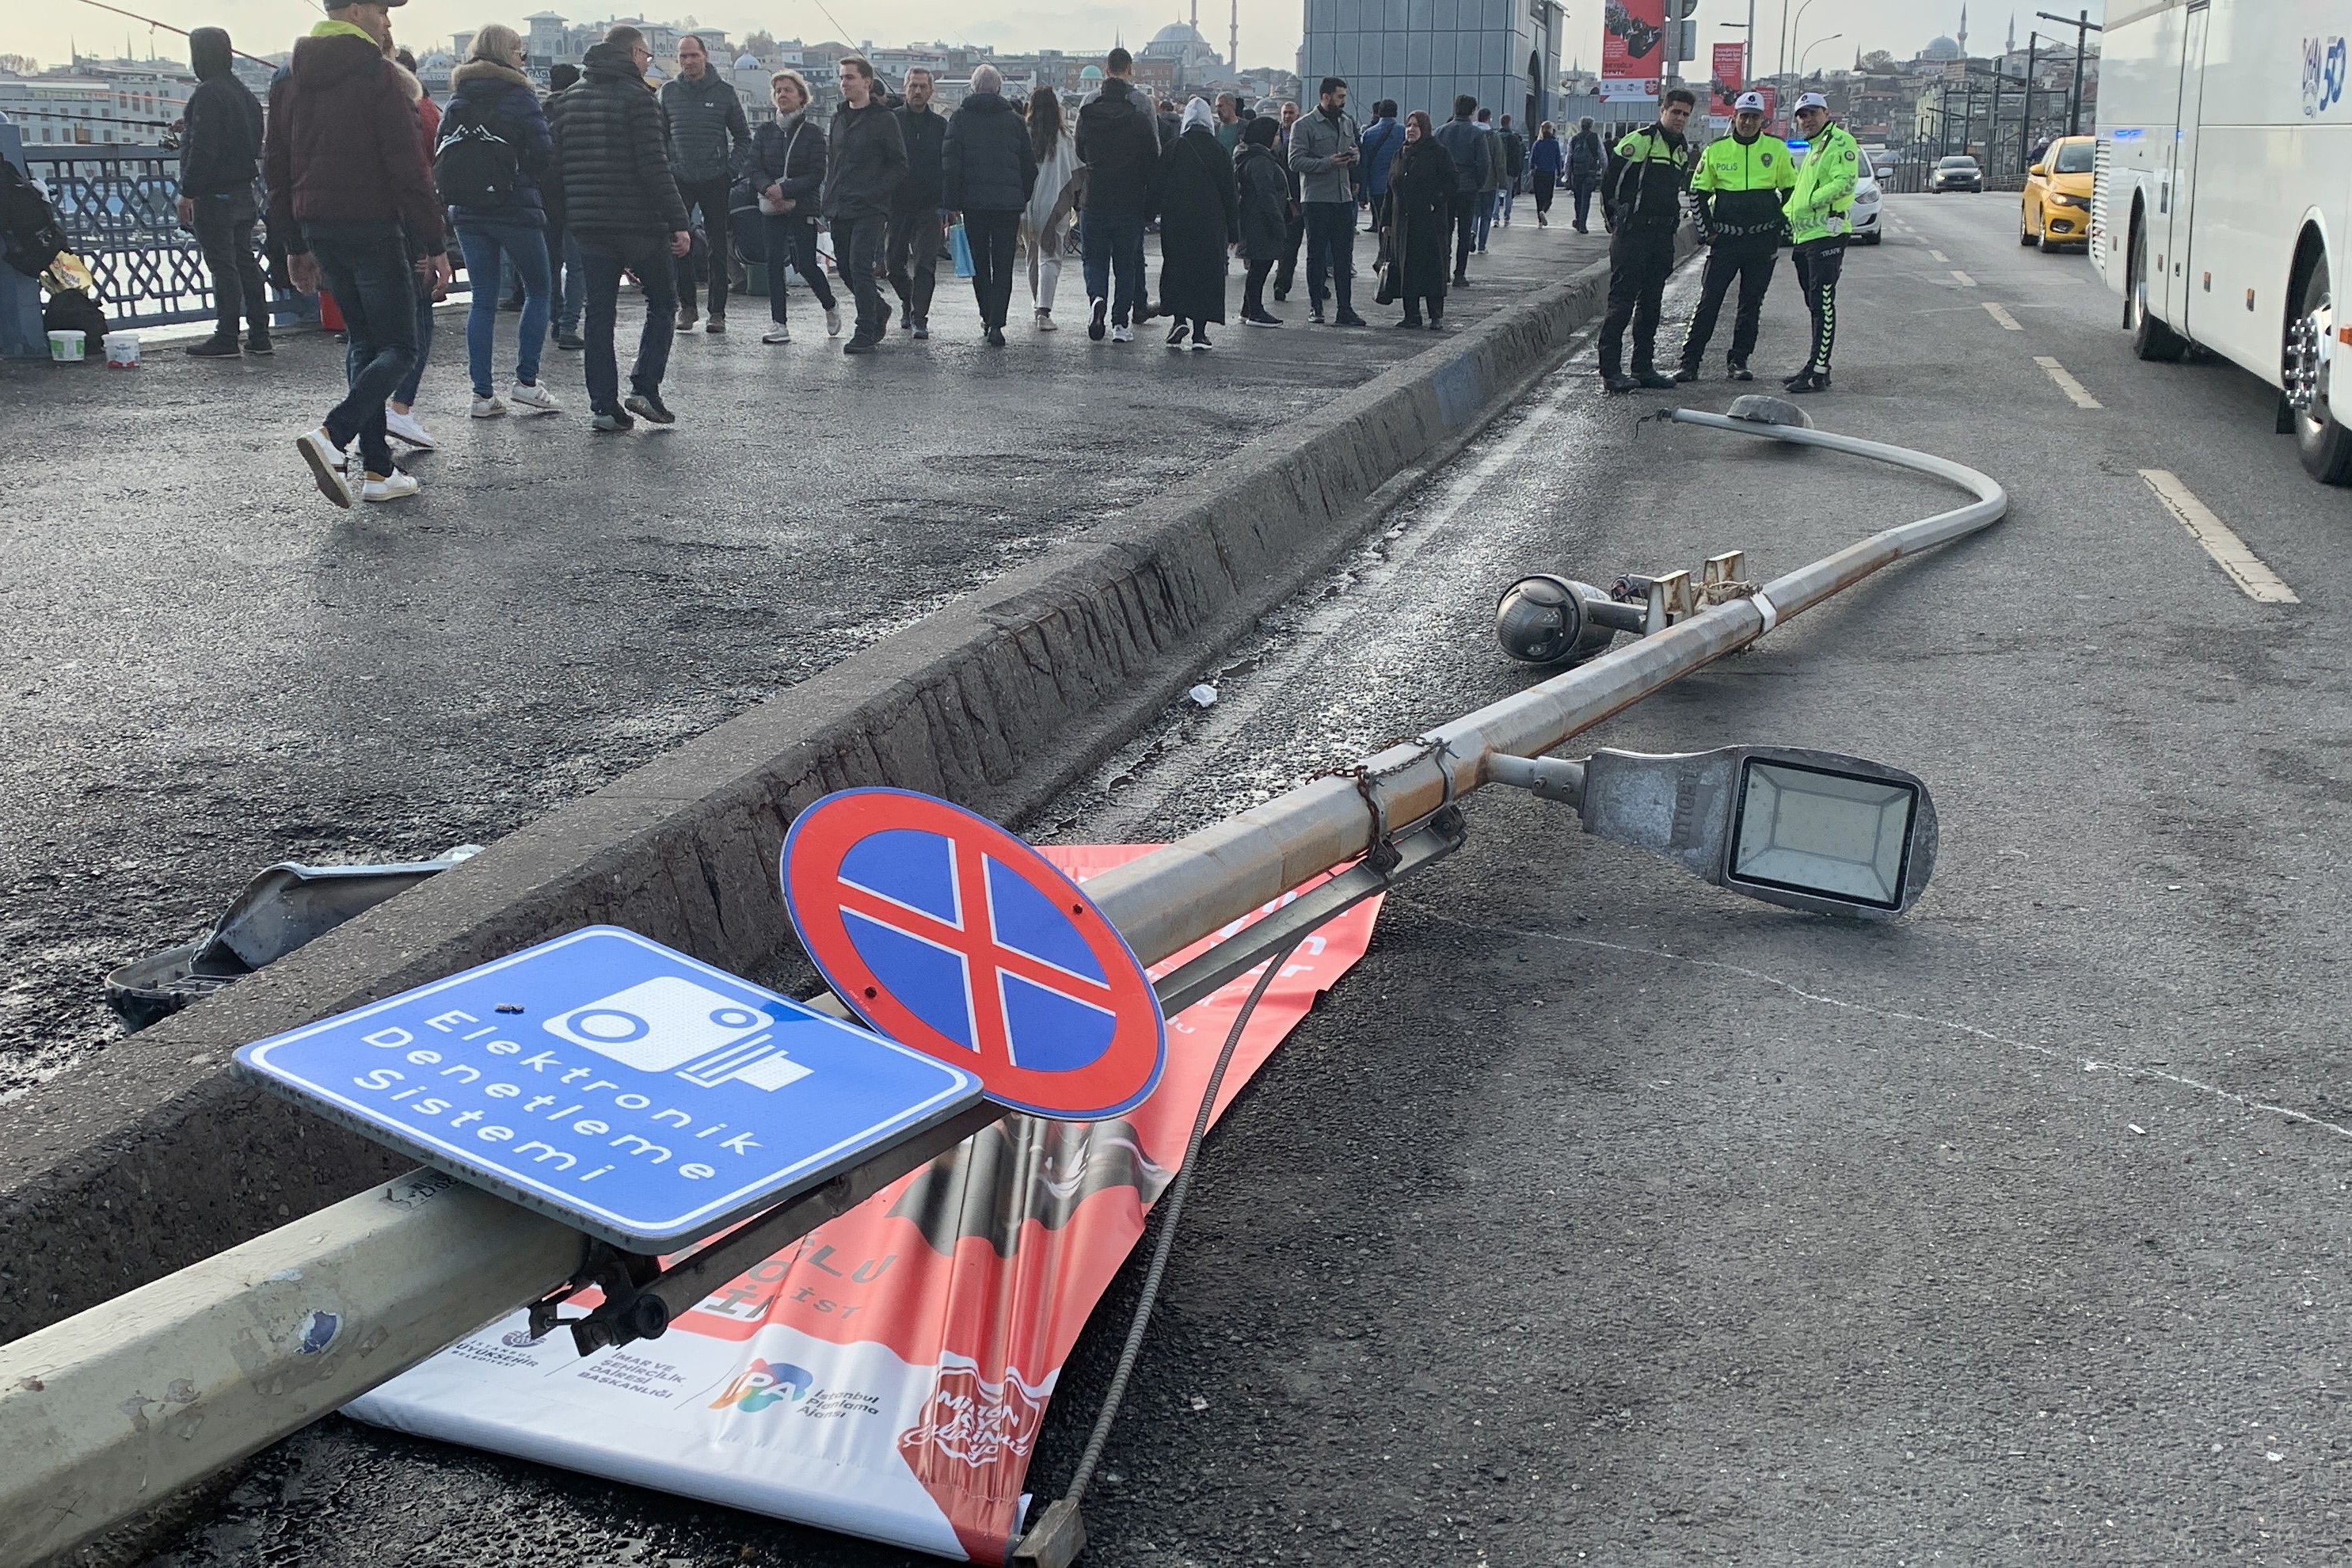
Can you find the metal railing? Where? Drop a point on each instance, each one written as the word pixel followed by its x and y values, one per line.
pixel 120 209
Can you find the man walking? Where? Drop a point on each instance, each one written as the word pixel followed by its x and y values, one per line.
pixel 1324 149
pixel 1490 180
pixel 912 252
pixel 1587 159
pixel 1642 196
pixel 1465 144
pixel 1118 142
pixel 220 157
pixel 1376 154
pixel 708 141
pixel 1515 167
pixel 622 204
pixel 990 172
pixel 1739 184
pixel 866 159
pixel 353 196
pixel 1818 227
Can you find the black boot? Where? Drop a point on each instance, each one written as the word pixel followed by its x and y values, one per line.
pixel 1689 373
pixel 220 345
pixel 1810 381
pixel 1618 381
pixel 1650 378
pixel 1739 369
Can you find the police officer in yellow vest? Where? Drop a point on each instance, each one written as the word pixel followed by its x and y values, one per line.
pixel 1816 210
pixel 1739 184
pixel 1642 197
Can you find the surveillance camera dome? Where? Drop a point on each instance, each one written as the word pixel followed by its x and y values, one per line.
pixel 1542 620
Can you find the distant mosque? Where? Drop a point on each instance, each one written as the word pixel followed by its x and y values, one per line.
pixel 1947 48
pixel 1194 55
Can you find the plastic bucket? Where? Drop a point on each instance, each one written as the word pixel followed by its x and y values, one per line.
pixel 67 348
pixel 122 350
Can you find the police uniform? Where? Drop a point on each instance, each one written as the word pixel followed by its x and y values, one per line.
pixel 1818 208
pixel 1641 195
pixel 1739 186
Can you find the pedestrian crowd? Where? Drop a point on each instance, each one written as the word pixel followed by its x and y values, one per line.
pixel 551 198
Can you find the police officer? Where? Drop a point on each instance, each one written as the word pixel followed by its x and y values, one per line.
pixel 1817 209
pixel 1740 183
pixel 1642 197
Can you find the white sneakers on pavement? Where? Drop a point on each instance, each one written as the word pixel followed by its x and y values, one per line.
pixel 394 486
pixel 1045 322
pixel 778 333
pixel 1124 335
pixel 489 407
pixel 326 460
pixel 403 428
pixel 533 399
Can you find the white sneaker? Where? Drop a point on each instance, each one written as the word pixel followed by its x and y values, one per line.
pixel 489 407
pixel 1045 322
pixel 778 333
pixel 327 466
pixel 1122 334
pixel 537 399
pixel 392 487
pixel 833 320
pixel 403 428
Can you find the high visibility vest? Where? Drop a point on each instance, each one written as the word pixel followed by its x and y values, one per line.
pixel 1742 185
pixel 1823 195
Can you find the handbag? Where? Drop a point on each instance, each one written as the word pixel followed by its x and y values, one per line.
pixel 959 247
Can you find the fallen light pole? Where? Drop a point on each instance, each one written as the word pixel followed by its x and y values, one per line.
pixel 112 1411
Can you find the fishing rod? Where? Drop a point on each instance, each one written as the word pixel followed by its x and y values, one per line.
pixel 167 26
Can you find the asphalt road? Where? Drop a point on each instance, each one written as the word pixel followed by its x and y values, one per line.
pixel 1602 1215
pixel 211 670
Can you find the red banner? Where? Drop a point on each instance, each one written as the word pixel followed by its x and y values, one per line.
pixel 1731 75
pixel 1633 48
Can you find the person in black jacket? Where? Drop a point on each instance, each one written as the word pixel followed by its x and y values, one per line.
pixel 866 158
pixel 494 104
pixel 620 202
pixel 1118 142
pixel 1642 196
pixel 1265 203
pixel 220 155
pixel 1423 202
pixel 788 173
pixel 911 250
pixel 989 172
pixel 1199 215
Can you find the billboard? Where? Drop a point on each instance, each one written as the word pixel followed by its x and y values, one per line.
pixel 1634 49
pixel 1731 76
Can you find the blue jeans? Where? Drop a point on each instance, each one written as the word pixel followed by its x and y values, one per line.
pixel 1330 248
pixel 1485 203
pixel 365 265
pixel 525 249
pixel 1113 240
pixel 604 256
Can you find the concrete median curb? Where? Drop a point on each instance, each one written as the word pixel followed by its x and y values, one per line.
pixel 149 1155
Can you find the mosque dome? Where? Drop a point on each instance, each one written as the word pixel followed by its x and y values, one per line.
pixel 1941 50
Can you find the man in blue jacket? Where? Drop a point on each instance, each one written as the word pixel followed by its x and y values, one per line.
pixel 1383 138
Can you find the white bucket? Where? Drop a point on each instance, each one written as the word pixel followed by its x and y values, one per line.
pixel 122 350
pixel 67 348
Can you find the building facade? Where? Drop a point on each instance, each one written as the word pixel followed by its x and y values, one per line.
pixel 1424 53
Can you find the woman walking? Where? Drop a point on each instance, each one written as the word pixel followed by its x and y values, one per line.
pixel 1421 191
pixel 990 175
pixel 1045 224
pixel 1265 199
pixel 1546 159
pixel 502 221
pixel 788 172
pixel 1198 216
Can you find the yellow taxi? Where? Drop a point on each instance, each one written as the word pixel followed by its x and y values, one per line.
pixel 2056 207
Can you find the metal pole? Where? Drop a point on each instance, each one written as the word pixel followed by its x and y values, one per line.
pixel 2074 104
pixel 110 1412
pixel 2025 120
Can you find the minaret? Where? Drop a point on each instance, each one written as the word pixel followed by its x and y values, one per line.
pixel 1234 39
pixel 1964 32
pixel 2009 48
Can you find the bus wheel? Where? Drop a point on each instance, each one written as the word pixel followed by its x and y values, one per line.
pixel 2325 445
pixel 2151 339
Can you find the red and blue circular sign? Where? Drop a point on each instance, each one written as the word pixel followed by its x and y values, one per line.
pixel 946 933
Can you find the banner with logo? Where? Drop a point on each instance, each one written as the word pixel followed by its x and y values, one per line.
pixel 1633 48
pixel 1731 76
pixel 886 1374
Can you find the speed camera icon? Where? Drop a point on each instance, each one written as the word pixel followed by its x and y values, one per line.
pixel 671 1024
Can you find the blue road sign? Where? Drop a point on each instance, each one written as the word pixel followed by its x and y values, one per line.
pixel 611 1083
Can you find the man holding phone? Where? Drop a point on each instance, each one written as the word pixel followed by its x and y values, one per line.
pixel 1323 155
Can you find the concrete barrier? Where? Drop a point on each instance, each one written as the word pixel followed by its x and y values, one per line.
pixel 149 1155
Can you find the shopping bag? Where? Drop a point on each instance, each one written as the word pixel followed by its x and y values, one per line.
pixel 960 248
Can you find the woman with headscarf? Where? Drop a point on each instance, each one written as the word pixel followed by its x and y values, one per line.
pixel 1198 216
pixel 1046 221
pixel 1264 196
pixel 1421 191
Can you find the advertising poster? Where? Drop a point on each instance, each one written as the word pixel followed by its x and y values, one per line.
pixel 1731 76
pixel 1632 49
pixel 886 1374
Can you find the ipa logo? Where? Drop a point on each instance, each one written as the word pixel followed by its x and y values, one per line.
pixel 763 1383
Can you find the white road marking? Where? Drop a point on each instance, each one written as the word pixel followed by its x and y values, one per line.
pixel 2256 581
pixel 2001 315
pixel 2066 382
pixel 1963 279
pixel 1940 255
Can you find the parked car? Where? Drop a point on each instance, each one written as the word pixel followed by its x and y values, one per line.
pixel 1957 173
pixel 2056 209
pixel 1867 199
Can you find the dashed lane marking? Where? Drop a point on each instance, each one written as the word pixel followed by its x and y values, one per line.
pixel 2066 382
pixel 2255 580
pixel 1962 279
pixel 2001 314
pixel 1940 255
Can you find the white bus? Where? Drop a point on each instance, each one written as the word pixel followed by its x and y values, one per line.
pixel 2224 206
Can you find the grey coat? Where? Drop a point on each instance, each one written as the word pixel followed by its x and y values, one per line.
pixel 1315 141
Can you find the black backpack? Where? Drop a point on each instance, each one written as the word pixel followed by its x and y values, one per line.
pixel 473 165
pixel 30 236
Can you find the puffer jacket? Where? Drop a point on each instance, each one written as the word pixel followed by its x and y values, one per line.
pixel 1265 201
pixel 707 133
pixel 1118 142
pixel 866 157
pixel 503 98
pixel 344 145
pixel 990 165
pixel 613 154
pixel 790 153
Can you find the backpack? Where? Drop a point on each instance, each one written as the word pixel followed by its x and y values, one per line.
pixel 30 236
pixel 473 165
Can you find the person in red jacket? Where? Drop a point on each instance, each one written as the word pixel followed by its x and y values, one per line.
pixel 352 198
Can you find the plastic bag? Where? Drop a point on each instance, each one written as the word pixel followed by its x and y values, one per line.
pixel 959 247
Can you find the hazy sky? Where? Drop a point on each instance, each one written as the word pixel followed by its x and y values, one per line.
pixel 1270 28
